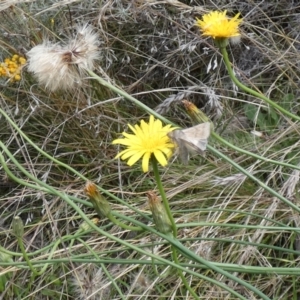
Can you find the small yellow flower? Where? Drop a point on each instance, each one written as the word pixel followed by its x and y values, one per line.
pixel 217 25
pixel 11 67
pixel 148 139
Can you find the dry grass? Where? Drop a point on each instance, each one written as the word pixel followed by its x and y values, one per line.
pixel 153 51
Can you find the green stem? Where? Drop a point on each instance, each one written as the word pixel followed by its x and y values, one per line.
pixel 170 215
pixel 183 279
pixel 34 271
pixel 52 245
pixel 249 175
pixel 289 271
pixel 240 150
pixel 128 97
pixel 251 91
pixel 123 225
pixel 112 280
pixel 21 245
pixel 163 195
pixel 173 241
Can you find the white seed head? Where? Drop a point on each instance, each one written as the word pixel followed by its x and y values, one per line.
pixel 84 48
pixel 61 67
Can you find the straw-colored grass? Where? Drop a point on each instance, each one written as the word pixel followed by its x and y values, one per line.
pixel 153 51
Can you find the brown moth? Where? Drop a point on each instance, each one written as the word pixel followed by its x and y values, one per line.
pixel 193 139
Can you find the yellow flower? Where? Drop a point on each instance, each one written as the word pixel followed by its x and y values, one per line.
pixel 217 25
pixel 148 139
pixel 11 67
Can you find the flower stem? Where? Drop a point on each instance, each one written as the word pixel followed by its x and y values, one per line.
pixel 171 239
pixel 251 91
pixel 174 228
pixel 128 97
pixel 21 245
pixel 163 195
pixel 259 157
pixel 253 178
pixel 123 225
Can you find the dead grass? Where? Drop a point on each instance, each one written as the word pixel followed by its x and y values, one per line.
pixel 153 51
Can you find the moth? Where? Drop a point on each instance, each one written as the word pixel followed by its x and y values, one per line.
pixel 191 140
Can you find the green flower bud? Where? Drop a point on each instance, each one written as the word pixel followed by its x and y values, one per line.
pixel 100 204
pixel 159 214
pixel 18 227
pixel 196 114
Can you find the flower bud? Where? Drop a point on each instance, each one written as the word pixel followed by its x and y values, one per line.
pixel 18 227
pixel 159 214
pixel 196 114
pixel 100 204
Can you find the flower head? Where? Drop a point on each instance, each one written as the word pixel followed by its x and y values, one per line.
pixel 148 139
pixel 11 67
pixel 217 25
pixel 60 66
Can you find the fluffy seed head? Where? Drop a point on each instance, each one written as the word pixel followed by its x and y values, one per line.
pixel 61 67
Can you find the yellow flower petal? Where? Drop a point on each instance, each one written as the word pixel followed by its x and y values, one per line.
pixel 130 153
pixel 134 158
pixel 145 162
pixel 218 25
pixel 161 158
pixel 146 140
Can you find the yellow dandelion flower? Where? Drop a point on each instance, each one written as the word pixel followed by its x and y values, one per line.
pixel 218 25
pixel 148 139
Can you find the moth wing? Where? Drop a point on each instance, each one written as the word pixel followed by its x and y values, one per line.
pixel 202 144
pixel 200 131
pixel 178 138
pixel 193 139
pixel 198 146
pixel 183 153
pixel 197 136
pixel 175 135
